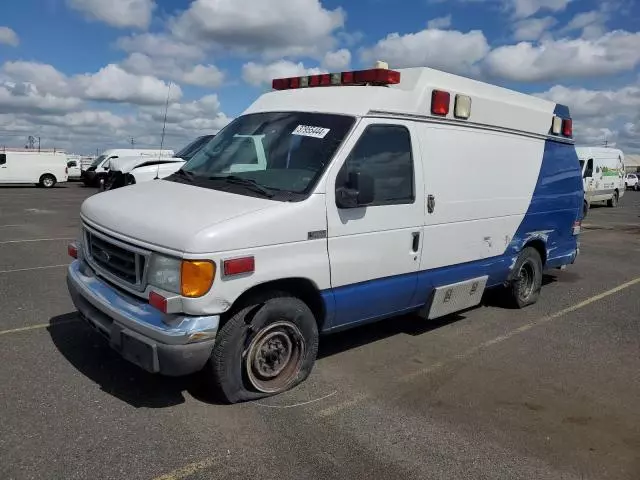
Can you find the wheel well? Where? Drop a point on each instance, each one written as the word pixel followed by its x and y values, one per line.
pixel 301 288
pixel 540 246
pixel 48 175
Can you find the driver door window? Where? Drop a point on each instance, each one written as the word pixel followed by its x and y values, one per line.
pixel 383 152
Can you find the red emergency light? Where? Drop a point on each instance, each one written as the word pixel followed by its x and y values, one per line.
pixel 374 76
pixel 567 127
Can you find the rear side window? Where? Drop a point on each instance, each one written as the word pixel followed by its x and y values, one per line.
pixel 3 158
pixel 384 153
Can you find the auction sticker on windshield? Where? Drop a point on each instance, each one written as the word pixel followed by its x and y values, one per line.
pixel 309 131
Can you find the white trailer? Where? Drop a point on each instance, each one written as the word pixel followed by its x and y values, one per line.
pixel 43 169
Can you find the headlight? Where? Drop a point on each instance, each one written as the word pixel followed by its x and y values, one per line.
pixel 189 278
pixel 164 273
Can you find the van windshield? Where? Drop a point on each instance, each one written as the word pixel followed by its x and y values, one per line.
pixel 98 160
pixel 277 155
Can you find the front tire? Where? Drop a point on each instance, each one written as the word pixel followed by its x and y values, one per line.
pixel 265 348
pixel 47 181
pixel 526 281
pixel 613 201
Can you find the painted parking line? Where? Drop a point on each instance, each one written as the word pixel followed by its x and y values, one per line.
pixel 34 268
pixel 38 327
pixel 332 410
pixel 37 240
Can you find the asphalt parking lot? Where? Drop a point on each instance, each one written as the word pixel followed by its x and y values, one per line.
pixel 548 392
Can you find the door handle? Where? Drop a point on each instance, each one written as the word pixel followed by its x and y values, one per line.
pixel 431 203
pixel 415 241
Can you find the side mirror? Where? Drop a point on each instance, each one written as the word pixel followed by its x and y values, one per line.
pixel 358 191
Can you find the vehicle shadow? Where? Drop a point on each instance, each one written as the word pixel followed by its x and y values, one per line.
pixel 91 355
pixel 410 324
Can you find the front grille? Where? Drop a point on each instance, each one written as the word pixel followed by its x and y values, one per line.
pixel 116 259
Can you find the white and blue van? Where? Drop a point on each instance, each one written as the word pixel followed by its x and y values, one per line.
pixel 371 194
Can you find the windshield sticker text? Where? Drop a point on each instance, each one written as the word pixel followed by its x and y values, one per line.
pixel 308 131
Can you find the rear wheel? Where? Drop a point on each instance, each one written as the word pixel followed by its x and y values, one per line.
pixel 613 201
pixel 526 280
pixel 585 209
pixel 266 348
pixel 47 180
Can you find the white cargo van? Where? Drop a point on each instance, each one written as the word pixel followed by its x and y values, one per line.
pixel 100 166
pixel 349 218
pixel 603 175
pixel 43 169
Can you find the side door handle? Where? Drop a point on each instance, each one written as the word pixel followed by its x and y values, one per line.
pixel 431 203
pixel 415 241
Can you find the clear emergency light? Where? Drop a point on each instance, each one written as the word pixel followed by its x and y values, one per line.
pixel 373 76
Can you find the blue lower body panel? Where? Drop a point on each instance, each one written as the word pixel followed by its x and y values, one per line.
pixel 360 303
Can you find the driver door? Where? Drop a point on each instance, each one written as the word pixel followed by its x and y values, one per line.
pixel 374 250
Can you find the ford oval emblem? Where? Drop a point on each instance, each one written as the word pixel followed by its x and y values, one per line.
pixel 101 255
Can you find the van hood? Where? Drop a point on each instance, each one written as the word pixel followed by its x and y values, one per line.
pixel 167 214
pixel 126 164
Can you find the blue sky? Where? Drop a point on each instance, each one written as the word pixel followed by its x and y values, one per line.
pixel 90 74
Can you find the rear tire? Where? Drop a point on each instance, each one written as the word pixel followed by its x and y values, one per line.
pixel 47 181
pixel 585 209
pixel 526 280
pixel 613 201
pixel 267 347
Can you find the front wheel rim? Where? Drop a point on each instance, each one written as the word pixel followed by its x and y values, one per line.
pixel 274 357
pixel 47 182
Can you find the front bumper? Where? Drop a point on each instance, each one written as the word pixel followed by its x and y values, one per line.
pixel 155 341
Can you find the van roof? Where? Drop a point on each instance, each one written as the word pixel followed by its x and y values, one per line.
pixel 598 152
pixel 491 105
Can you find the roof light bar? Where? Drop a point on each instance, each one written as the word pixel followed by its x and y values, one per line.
pixel 374 76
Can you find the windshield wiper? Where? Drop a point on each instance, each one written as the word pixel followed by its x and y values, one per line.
pixel 245 182
pixel 184 174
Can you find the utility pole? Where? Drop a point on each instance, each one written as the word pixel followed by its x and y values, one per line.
pixel 38 144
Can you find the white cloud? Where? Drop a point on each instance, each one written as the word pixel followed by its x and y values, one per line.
pixel 111 83
pixel 591 23
pixel 532 28
pixel 203 76
pixel 117 13
pixel 337 61
pixel 174 69
pixel 439 23
pixel 596 103
pixel 612 53
pixel 159 45
pixel 114 84
pixel 527 8
pixel 599 114
pixel 89 130
pixel 27 98
pixel 448 50
pixel 296 27
pixel 258 74
pixel 8 37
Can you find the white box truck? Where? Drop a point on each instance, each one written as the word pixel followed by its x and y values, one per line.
pixel 351 219
pixel 44 169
